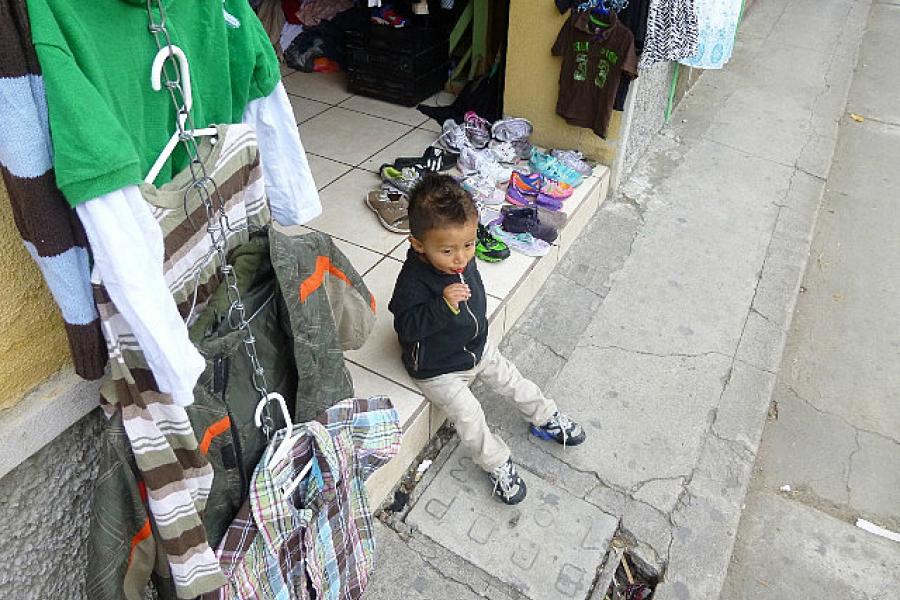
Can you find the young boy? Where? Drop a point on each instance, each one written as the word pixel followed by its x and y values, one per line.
pixel 440 314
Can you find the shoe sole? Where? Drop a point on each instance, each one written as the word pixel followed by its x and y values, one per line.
pixel 541 434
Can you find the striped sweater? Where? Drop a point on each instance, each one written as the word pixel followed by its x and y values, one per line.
pixel 177 474
pixel 50 229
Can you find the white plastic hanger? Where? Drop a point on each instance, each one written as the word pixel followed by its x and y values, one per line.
pixel 287 443
pixel 156 84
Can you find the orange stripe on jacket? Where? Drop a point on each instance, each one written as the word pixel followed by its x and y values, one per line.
pixel 139 537
pixel 314 281
pixel 216 429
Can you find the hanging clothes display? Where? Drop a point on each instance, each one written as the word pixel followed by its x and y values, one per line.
pixel 319 281
pixel 671 32
pixel 109 126
pixel 176 474
pixel 317 542
pixel 50 230
pixel 595 56
pixel 717 21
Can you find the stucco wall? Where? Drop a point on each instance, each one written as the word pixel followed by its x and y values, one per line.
pixel 532 82
pixel 33 343
pixel 45 516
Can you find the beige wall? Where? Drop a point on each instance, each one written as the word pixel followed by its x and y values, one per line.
pixel 532 82
pixel 33 343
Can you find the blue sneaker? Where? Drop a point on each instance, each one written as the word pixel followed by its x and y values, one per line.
pixel 560 429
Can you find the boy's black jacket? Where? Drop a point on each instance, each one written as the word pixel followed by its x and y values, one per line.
pixel 434 340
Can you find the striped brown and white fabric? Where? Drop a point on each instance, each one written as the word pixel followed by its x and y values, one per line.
pixel 50 229
pixel 176 473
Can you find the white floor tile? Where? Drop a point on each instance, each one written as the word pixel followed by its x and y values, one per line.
pixel 360 258
pixel 330 88
pixel 400 251
pixel 325 170
pixel 305 109
pixel 377 108
pixel 412 144
pixel 381 353
pixel 367 384
pixel 346 216
pixel 347 136
pixel 500 278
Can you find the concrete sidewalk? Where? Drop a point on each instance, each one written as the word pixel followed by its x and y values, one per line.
pixel 661 331
pixel 831 451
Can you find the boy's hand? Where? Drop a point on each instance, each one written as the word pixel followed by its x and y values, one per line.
pixel 456 293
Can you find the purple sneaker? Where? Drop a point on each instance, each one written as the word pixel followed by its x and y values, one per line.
pixel 515 196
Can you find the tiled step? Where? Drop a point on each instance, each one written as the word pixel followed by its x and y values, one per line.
pixel 511 286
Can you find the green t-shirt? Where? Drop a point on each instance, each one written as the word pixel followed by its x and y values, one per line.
pixel 107 124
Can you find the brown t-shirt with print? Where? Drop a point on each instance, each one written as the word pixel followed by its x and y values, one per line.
pixel 595 58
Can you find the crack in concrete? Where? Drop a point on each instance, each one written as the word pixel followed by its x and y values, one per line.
pixel 668 355
pixel 881 121
pixel 850 465
pixel 856 428
pixel 764 317
pixel 637 486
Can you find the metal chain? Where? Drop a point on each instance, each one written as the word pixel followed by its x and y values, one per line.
pixel 217 224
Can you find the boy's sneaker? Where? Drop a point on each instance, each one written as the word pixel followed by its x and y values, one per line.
pixel 488 248
pixel 508 486
pixel 561 429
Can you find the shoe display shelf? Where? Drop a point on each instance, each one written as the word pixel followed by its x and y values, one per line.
pixel 511 284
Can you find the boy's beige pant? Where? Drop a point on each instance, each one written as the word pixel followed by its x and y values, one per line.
pixel 451 393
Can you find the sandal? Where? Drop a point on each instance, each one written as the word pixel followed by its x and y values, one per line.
pixel 434 159
pixel 391 209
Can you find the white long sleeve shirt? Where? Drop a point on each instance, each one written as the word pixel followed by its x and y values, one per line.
pixel 127 245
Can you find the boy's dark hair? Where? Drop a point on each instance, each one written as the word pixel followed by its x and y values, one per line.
pixel 439 201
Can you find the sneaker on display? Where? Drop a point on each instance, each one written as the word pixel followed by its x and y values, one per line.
pixel 503 152
pixel 478 129
pixel 488 248
pixel 473 161
pixel 453 137
pixel 512 130
pixel 527 220
pixel 403 179
pixel 516 196
pixel 483 189
pixel 508 486
pixel 574 160
pixel 536 183
pixel 524 243
pixel 561 429
pixel 551 167
pixel 391 207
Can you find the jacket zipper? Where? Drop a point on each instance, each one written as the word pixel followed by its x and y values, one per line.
pixel 477 329
pixel 416 356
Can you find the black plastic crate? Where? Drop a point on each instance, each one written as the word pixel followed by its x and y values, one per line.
pixel 406 92
pixel 398 65
pixel 411 39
